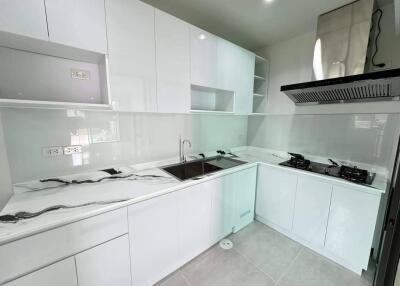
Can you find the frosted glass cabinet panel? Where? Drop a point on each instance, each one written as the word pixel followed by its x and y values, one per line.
pixel 204 58
pixel 173 63
pixel 27 18
pixel 76 23
pixel 62 273
pixel 132 61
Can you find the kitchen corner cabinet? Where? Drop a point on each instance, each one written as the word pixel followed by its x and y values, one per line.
pixel 235 73
pixel 204 58
pixel 351 226
pixel 132 61
pixel 76 23
pixel 26 18
pixel 276 194
pixel 62 273
pixel 106 264
pixel 311 210
pixel 173 63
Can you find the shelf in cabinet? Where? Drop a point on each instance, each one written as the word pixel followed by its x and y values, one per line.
pixel 211 111
pixel 258 95
pixel 260 59
pixel 257 77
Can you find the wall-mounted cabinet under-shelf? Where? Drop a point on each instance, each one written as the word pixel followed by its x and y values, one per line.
pixel 260 84
pixel 211 99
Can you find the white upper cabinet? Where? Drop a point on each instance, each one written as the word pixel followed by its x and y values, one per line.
pixel 26 18
pixel 62 273
pixel 312 210
pixel 276 193
pixel 204 58
pixel 173 63
pixel 106 264
pixel 351 226
pixel 235 73
pixel 76 23
pixel 132 61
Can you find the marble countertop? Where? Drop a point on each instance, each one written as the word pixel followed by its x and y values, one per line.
pixel 141 182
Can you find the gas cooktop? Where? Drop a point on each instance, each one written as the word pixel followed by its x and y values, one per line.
pixel 352 174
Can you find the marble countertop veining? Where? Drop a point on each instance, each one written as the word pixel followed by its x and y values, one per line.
pixel 142 182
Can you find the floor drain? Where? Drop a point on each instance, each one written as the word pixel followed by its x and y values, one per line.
pixel 226 244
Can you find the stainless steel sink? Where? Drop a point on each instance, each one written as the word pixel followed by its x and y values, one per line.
pixel 199 168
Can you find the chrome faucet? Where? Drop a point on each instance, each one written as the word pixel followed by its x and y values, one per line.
pixel 182 143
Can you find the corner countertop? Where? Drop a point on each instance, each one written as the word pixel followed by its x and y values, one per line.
pixel 143 182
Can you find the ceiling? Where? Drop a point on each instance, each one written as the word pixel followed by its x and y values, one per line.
pixel 252 24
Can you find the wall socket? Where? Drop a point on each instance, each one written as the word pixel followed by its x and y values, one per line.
pixel 70 150
pixel 52 151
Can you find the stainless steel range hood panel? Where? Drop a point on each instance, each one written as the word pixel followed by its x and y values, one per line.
pixel 377 86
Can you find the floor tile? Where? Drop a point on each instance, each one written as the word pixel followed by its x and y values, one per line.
pixel 311 269
pixel 175 279
pixel 269 250
pixel 246 232
pixel 230 268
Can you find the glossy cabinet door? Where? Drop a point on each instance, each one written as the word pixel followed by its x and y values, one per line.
pixel 351 226
pixel 194 220
pixel 75 23
pixel 243 184
pixel 276 193
pixel 106 264
pixel 26 18
pixel 153 234
pixel 311 210
pixel 235 73
pixel 132 61
pixel 173 63
pixel 204 58
pixel 222 207
pixel 62 273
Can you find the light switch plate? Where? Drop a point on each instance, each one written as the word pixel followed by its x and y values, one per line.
pixel 70 150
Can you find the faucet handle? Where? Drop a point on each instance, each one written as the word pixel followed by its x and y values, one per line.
pixel 221 152
pixel 202 155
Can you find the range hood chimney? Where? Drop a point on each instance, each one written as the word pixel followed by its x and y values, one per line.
pixel 340 55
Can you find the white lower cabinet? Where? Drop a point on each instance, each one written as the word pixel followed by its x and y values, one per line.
pixel 106 264
pixel 311 210
pixel 351 226
pixel 243 185
pixel 194 206
pixel 276 193
pixel 62 273
pixel 153 234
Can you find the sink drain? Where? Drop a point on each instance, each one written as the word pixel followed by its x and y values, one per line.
pixel 226 244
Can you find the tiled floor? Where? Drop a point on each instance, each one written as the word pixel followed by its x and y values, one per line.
pixel 262 256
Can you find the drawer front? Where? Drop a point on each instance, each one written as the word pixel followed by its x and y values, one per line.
pixel 28 254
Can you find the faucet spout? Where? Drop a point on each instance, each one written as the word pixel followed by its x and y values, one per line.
pixel 182 143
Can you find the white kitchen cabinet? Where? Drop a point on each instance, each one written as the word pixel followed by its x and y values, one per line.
pixel 222 206
pixel 235 73
pixel 276 192
pixel 26 18
pixel 243 185
pixel 173 63
pixel 62 273
pixel 132 61
pixel 106 264
pixel 351 226
pixel 204 58
pixel 311 210
pixel 153 234
pixel 76 23
pixel 194 219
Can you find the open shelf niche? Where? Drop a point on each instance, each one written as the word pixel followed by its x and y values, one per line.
pixel 207 99
pixel 260 85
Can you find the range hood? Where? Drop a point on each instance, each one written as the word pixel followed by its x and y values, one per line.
pixel 340 61
pixel 375 86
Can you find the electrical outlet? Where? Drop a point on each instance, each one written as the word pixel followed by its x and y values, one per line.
pixel 52 151
pixel 70 150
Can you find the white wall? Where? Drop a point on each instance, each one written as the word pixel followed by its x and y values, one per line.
pixel 363 138
pixel 5 179
pixel 291 62
pixel 108 138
